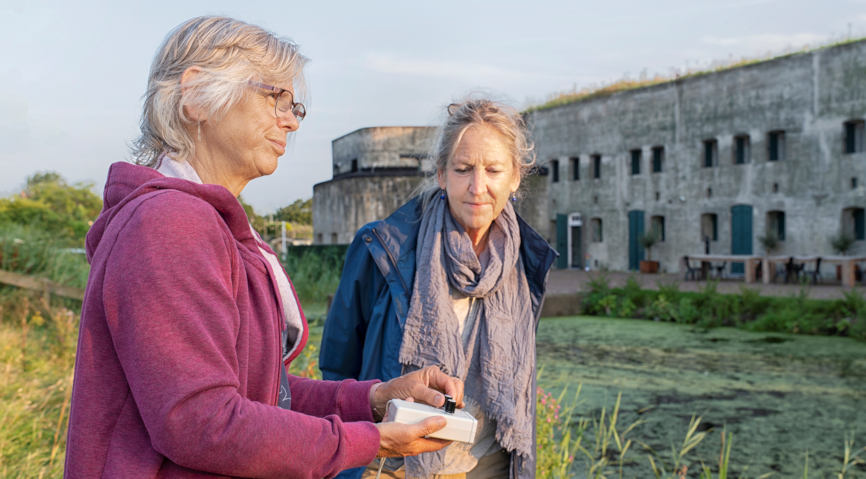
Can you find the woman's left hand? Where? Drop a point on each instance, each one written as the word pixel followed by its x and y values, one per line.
pixel 425 385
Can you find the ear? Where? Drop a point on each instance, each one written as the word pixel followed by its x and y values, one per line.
pixel 187 81
pixel 440 175
pixel 515 182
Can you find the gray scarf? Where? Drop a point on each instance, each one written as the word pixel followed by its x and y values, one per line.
pixel 504 346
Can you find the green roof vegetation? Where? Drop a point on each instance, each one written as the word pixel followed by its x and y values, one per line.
pixel 625 84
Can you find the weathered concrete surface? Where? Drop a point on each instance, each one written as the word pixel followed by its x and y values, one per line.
pixel 808 95
pixel 343 205
pixel 383 147
pixel 375 171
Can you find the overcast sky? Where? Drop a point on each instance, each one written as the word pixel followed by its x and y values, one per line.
pixel 73 72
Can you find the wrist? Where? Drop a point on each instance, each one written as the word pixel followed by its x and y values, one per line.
pixel 377 406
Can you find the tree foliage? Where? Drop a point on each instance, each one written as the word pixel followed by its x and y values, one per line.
pixel 300 211
pixel 50 204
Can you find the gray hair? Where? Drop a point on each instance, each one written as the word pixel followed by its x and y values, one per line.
pixel 506 120
pixel 230 53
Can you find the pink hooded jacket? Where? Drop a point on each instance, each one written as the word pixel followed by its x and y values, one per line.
pixel 178 359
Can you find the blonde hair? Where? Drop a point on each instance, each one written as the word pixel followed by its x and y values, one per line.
pixel 504 119
pixel 229 54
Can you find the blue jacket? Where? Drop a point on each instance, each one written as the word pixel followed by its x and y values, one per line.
pixel 364 329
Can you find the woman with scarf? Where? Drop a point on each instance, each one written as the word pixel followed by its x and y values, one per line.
pixel 454 279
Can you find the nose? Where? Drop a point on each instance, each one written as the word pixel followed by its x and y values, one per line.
pixel 289 122
pixel 478 182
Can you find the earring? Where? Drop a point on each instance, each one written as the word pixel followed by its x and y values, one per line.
pixel 442 195
pixel 514 197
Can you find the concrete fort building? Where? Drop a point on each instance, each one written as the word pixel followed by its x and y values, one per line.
pixel 713 160
pixel 375 171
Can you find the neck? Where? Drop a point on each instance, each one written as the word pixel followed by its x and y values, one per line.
pixel 211 172
pixel 479 240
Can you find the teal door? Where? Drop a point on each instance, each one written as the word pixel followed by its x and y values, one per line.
pixel 562 241
pixel 576 250
pixel 635 230
pixel 741 234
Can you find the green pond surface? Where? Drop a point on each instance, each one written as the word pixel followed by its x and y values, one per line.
pixel 782 396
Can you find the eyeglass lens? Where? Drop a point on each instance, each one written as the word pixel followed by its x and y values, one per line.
pixel 286 104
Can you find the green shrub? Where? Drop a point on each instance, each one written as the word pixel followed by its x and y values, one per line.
pixel 686 312
pixel 315 271
pixel 708 308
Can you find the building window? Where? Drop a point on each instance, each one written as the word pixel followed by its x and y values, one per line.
pixel 596 166
pixel 709 192
pixel 354 165
pixel 333 238
pixel 710 226
pixel 575 168
pixel 854 136
pixel 854 223
pixel 321 238
pixel 554 168
pixel 776 145
pixel 854 183
pixel 657 226
pixel 635 162
pixel 711 153
pixel 597 236
pixel 658 158
pixel 776 224
pixel 742 149
pixel 775 187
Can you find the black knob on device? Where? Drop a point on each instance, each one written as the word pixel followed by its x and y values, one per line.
pixel 450 404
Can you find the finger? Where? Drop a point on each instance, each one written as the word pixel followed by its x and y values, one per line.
pixel 457 386
pixel 429 425
pixel 450 385
pixel 428 396
pixel 428 445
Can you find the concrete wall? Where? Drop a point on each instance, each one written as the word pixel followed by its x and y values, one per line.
pixel 343 205
pixel 383 147
pixel 808 95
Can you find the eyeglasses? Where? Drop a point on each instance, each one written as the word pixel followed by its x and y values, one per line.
pixel 284 101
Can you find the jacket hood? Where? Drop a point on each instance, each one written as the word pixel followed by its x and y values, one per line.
pixel 127 182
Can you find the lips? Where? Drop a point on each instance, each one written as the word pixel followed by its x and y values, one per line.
pixel 281 145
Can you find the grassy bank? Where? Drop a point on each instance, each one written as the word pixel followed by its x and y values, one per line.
pixel 782 396
pixel 709 309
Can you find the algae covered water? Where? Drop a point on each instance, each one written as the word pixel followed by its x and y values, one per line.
pixel 790 401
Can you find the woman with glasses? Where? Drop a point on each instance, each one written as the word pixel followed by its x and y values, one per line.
pixel 189 321
pixel 454 279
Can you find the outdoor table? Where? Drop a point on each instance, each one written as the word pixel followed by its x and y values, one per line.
pixel 848 263
pixel 768 266
pixel 751 262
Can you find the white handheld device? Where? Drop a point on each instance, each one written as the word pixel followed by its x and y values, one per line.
pixel 461 425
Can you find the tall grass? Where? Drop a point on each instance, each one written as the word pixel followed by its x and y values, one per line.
pixel 36 359
pixel 315 273
pixel 32 252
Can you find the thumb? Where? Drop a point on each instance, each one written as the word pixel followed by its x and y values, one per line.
pixel 431 425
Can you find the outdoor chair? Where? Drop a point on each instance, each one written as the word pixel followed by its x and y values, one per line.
pixel 692 272
pixel 796 270
pixel 720 269
pixel 815 272
pixel 786 271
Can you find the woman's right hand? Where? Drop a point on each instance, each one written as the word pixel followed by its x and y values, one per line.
pixel 397 439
